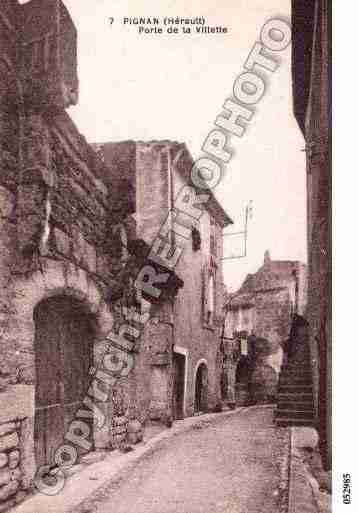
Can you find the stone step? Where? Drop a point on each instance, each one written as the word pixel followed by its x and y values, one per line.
pixel 285 422
pixel 294 414
pixel 296 396
pixel 300 368
pixel 296 405
pixel 289 388
pixel 292 379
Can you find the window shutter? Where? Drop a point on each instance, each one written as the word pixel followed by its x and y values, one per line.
pixel 204 292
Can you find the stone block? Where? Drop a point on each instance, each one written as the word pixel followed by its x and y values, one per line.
pixel 9 490
pixel 325 502
pixel 5 506
pixel 20 496
pixel 17 402
pixel 102 266
pixel 5 476
pixel 9 442
pixel 134 438
pixel 27 462
pixel 155 413
pixel 303 437
pixel 3 460
pixel 62 241
pixel 120 437
pixel 119 430
pixel 48 56
pixel 7 202
pixel 14 459
pixel 120 421
pixel 263 384
pixel 134 426
pixel 118 441
pixel 7 428
pixel 89 257
pixel 4 383
pixel 160 359
pixel 102 437
pixel 325 481
pixel 16 474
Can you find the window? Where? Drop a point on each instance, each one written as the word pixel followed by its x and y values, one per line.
pixel 210 301
pixel 208 294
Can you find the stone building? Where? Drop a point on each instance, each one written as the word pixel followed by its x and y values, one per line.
pixel 311 50
pixel 259 316
pixel 193 321
pixel 77 225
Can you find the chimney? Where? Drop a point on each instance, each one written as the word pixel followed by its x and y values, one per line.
pixel 267 258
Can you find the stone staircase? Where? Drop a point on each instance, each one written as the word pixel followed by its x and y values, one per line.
pixel 295 405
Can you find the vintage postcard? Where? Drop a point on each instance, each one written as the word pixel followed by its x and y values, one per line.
pixel 165 257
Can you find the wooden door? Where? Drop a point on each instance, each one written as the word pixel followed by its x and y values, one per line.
pixel 201 389
pixel 63 356
pixel 179 363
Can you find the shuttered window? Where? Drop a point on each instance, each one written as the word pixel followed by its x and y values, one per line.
pixel 208 294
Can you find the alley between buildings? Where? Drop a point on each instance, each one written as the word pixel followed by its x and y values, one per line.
pixel 229 466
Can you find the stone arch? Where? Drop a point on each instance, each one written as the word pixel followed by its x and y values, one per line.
pixel 58 278
pixel 64 356
pixel 201 386
pixel 55 279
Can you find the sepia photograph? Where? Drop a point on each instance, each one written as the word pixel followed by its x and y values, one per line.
pixel 166 257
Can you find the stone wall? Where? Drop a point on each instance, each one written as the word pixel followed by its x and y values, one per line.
pixel 265 317
pixel 54 223
pixel 146 394
pixel 191 330
pixel 11 474
pixel 67 224
pixel 161 169
pixel 312 108
pixel 273 311
pixel 17 462
pixel 152 188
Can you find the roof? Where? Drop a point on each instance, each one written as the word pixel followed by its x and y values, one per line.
pixel 271 276
pixel 121 155
pixel 184 162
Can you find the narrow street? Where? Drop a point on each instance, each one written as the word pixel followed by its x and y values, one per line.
pixel 224 467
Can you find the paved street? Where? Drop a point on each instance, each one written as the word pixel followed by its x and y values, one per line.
pixel 222 467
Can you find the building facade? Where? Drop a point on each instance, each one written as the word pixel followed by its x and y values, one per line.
pixel 311 51
pixel 161 170
pixel 79 231
pixel 259 315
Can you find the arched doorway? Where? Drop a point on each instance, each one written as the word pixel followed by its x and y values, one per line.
pixel 243 371
pixel 201 389
pixel 64 339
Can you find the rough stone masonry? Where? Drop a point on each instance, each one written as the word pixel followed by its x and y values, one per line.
pixel 77 223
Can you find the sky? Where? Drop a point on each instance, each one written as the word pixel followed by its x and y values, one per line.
pixel 161 86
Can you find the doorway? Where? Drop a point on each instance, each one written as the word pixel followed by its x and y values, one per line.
pixel 243 372
pixel 179 375
pixel 64 338
pixel 201 389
